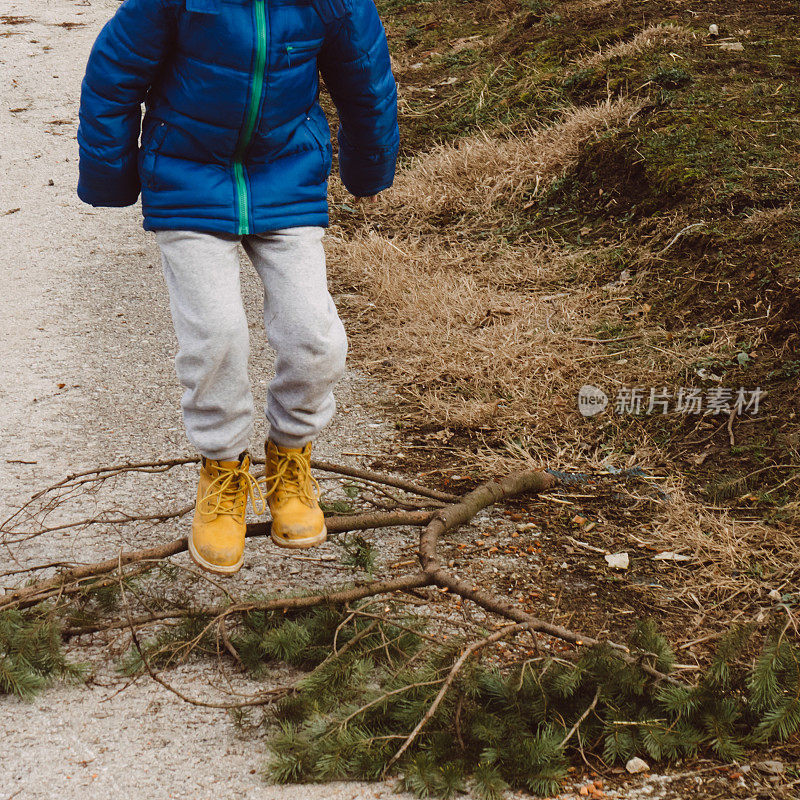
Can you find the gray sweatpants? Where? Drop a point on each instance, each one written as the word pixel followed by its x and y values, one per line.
pixel 301 322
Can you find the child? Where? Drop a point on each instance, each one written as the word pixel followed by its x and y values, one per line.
pixel 235 148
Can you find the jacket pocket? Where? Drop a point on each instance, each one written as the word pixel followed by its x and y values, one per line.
pixel 150 155
pixel 299 51
pixel 323 139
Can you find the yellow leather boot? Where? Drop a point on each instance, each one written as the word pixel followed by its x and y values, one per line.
pixel 292 491
pixel 216 542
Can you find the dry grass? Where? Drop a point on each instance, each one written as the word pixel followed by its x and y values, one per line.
pixel 483 334
pixel 475 332
pixel 730 558
pixel 497 338
pixel 465 349
pixel 650 38
pixel 597 5
pixel 476 174
pixel 766 219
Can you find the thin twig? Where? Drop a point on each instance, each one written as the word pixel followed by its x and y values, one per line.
pixel 580 719
pixel 263 699
pixel 382 477
pixel 678 235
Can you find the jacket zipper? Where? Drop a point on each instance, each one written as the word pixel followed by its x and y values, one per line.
pixel 246 134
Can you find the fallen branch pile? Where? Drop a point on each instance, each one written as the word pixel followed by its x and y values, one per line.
pixel 436 524
pixel 601 689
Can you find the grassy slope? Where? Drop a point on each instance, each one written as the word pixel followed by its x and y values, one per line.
pixel 716 143
pixel 488 308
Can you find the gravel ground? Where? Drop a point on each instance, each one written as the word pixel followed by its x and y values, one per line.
pixel 87 350
pixel 88 379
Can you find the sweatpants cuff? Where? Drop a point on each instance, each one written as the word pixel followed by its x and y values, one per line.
pixel 285 440
pixel 225 455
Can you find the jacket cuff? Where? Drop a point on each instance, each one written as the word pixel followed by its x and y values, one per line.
pixel 101 184
pixel 366 172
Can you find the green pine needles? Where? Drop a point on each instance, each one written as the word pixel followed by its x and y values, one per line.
pixel 505 726
pixel 380 693
pixel 358 552
pixel 31 655
pixel 172 645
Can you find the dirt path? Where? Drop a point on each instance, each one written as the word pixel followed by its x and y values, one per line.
pixel 86 345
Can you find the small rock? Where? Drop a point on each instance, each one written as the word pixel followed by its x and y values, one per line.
pixel 617 560
pixel 526 526
pixel 703 373
pixel 775 595
pixel 637 765
pixel 669 556
pixel 713 30
pixel 770 767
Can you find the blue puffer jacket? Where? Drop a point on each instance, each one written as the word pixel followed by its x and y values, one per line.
pixel 234 138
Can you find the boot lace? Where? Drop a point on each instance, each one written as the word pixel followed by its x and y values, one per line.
pixel 293 475
pixel 228 492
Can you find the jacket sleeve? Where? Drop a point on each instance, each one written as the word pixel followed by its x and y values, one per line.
pixel 354 63
pixel 123 62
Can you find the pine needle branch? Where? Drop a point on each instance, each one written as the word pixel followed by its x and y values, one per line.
pixel 469 651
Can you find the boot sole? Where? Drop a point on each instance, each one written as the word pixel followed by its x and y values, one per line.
pixel 215 568
pixel 300 544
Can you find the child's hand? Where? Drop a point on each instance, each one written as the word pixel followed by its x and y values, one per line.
pixel 369 200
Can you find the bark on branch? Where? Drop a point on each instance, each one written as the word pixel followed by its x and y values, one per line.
pixel 42 590
pixel 433 573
